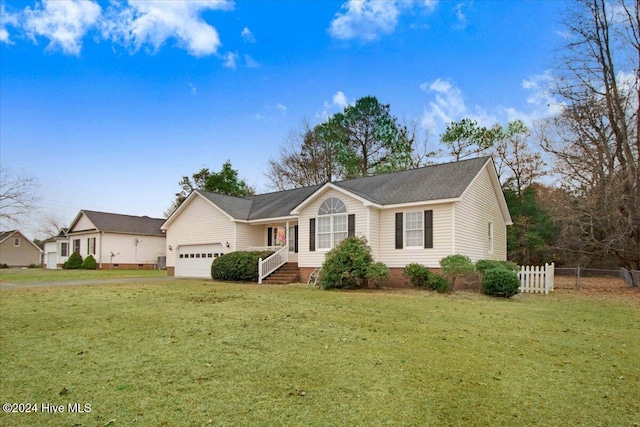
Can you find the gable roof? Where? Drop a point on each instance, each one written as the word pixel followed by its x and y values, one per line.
pixel 118 223
pixel 4 235
pixel 429 183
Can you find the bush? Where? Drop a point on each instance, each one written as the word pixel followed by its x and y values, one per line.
pixel 89 263
pixel 74 262
pixel 377 274
pixel 490 264
pixel 33 266
pixel 500 282
pixel 237 266
pixel 438 283
pixel 350 265
pixel 455 266
pixel 2 266
pixel 418 274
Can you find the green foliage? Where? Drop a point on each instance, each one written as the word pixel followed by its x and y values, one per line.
pixel 226 182
pixel 456 265
pixel 500 282
pixel 3 266
pixel 530 239
pixel 418 274
pixel 466 138
pixel 421 276
pixel 89 263
pixel 490 264
pixel 237 266
pixel 33 266
pixel 366 139
pixel 350 265
pixel 74 262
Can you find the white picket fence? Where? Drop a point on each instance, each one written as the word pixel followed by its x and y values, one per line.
pixel 536 279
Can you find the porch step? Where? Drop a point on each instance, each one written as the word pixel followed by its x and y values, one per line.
pixel 288 273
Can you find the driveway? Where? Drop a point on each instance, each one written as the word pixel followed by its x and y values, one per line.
pixel 6 285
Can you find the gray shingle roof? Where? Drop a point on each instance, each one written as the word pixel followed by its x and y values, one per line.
pixel 5 234
pixel 117 223
pixel 436 182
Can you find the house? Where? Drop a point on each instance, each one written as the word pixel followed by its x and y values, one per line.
pixel 115 240
pixel 420 215
pixel 56 250
pixel 18 251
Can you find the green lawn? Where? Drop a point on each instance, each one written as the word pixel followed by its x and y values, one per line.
pixel 196 353
pixel 38 275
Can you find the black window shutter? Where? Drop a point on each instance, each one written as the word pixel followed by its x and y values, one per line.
pixel 312 234
pixel 351 225
pixel 88 245
pixel 399 230
pixel 295 239
pixel 269 236
pixel 428 229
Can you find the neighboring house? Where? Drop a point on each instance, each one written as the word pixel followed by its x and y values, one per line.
pixel 56 250
pixel 18 251
pixel 117 241
pixel 420 215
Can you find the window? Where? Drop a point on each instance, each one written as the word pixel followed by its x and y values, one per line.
pixel 413 231
pixel 91 246
pixel 490 237
pixel 16 241
pixel 76 245
pixel 64 249
pixel 332 225
pixel 292 239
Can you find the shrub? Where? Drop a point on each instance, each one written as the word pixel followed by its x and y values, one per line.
pixel 455 266
pixel 490 264
pixel 237 266
pixel 438 283
pixel 377 274
pixel 350 265
pixel 89 263
pixel 500 282
pixel 74 262
pixel 418 274
pixel 33 266
pixel 4 266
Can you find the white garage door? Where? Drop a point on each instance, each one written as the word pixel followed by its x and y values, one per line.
pixel 51 260
pixel 195 260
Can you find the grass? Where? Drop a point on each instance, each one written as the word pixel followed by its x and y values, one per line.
pixel 194 353
pixel 37 275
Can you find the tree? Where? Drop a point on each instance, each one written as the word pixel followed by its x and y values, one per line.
pixel 366 139
pixel 305 160
pixel 518 166
pixel 51 225
pixel 224 182
pixel 595 141
pixel 19 196
pixel 466 138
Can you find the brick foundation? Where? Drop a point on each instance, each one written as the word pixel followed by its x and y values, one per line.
pixel 396 277
pixel 119 266
pixel 171 271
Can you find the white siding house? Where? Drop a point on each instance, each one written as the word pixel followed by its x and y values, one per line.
pixel 420 215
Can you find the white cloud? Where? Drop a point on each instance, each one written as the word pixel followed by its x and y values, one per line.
pixel 250 62
pixel 230 60
pixel 340 99
pixel 247 35
pixel 194 89
pixel 543 103
pixel 447 106
pixel 272 112
pixel 64 23
pixel 463 22
pixel 152 23
pixel 282 108
pixel 6 19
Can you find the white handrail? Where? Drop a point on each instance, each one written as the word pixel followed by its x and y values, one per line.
pixel 272 262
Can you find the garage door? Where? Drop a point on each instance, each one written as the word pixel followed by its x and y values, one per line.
pixel 195 260
pixel 51 260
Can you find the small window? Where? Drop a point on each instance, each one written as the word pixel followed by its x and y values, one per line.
pixel 197 255
pixel 16 241
pixel 64 249
pixel 191 256
pixel 209 255
pixel 413 231
pixel 181 255
pixel 204 255
pixel 76 245
pixel 490 237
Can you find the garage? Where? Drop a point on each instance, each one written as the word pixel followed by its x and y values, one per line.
pixel 195 260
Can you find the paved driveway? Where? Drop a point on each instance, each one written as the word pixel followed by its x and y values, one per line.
pixel 6 285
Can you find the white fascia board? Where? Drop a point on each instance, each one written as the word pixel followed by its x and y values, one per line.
pixel 327 186
pixel 267 220
pixel 421 203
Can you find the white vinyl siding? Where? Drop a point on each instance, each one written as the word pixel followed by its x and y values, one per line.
pixel 83 224
pixel 478 207
pixel 247 236
pixel 442 241
pixel 199 223
pixel 130 248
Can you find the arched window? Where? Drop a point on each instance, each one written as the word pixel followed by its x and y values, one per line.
pixel 331 206
pixel 332 223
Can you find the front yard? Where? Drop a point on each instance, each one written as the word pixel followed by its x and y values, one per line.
pixel 38 275
pixel 195 352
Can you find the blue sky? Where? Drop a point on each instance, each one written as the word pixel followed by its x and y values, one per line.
pixel 109 104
